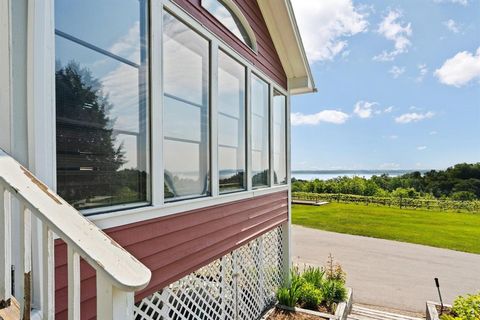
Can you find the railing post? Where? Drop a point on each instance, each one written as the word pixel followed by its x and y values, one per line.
pixel 5 248
pixel 48 254
pixel 73 284
pixel 26 262
pixel 113 303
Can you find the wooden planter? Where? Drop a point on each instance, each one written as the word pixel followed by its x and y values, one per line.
pixel 431 310
pixel 341 312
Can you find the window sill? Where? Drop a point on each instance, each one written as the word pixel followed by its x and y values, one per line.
pixel 118 218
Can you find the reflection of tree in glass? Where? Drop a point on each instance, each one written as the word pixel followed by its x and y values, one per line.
pixel 87 158
pixel 260 178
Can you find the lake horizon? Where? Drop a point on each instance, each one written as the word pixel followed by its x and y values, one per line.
pixel 364 173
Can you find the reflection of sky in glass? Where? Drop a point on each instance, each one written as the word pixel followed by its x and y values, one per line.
pixel 231 122
pixel 119 34
pixel 186 61
pixel 220 11
pixel 260 128
pixel 279 137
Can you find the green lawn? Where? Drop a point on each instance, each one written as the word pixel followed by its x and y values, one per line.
pixel 457 231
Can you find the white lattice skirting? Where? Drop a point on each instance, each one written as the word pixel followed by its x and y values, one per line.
pixel 238 286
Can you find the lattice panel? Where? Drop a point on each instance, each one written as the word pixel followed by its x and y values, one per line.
pixel 238 286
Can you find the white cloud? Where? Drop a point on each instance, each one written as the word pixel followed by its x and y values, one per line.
pixel 329 116
pixel 432 133
pixel 325 24
pixel 128 45
pixel 421 148
pixel 396 71
pixel 414 117
pixel 462 2
pixel 460 70
pixel 452 25
pixel 397 31
pixel 364 109
pixel 423 70
pixel 388 110
pixel 391 137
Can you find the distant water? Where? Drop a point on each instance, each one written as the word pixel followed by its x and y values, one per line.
pixel 330 174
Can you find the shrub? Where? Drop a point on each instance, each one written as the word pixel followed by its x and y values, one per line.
pixel 314 276
pixel 311 296
pixel 334 271
pixel 465 308
pixel 333 292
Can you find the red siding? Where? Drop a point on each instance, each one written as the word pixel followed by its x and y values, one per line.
pixel 176 245
pixel 266 59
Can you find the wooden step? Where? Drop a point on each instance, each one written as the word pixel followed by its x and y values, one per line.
pixel 361 313
pixel 11 312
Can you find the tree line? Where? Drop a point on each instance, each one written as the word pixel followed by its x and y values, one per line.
pixel 459 182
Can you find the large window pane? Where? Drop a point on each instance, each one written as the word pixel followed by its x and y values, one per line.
pixel 231 124
pixel 186 129
pixel 279 138
pixel 101 101
pixel 260 133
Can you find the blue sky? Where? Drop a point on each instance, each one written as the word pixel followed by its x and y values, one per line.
pixel 398 81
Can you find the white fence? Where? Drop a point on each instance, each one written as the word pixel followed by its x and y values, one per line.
pixel 238 286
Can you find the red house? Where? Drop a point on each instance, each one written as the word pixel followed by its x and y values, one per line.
pixel 145 171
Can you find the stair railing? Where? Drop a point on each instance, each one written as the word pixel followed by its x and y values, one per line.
pixel 118 273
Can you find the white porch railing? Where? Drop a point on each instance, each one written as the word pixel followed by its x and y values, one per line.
pixel 119 274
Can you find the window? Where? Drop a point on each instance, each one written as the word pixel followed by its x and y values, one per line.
pixel 186 111
pixel 101 102
pixel 231 124
pixel 279 138
pixel 260 133
pixel 230 16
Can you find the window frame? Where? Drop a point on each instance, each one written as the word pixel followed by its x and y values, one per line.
pixel 42 124
pixel 147 108
pixel 237 13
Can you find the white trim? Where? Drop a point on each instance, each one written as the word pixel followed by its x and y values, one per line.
pixel 248 115
pixel 6 75
pixel 156 102
pixel 242 19
pixel 282 25
pixel 271 141
pixel 120 218
pixel 214 167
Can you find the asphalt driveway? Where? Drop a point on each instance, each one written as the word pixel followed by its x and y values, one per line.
pixel 389 273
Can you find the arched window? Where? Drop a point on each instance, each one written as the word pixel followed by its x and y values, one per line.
pixel 227 12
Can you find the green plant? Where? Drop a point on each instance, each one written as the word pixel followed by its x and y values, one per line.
pixel 311 296
pixel 314 276
pixel 289 294
pixel 333 292
pixel 465 308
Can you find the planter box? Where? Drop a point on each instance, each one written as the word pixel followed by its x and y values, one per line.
pixel 431 310
pixel 341 312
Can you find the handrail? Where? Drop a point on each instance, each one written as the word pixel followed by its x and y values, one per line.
pixel 114 265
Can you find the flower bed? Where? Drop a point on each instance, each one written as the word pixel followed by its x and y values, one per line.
pixel 314 292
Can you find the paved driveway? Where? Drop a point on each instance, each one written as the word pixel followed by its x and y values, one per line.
pixel 388 273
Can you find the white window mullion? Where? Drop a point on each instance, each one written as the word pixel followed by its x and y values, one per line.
pixel 248 119
pixel 214 117
pixel 156 100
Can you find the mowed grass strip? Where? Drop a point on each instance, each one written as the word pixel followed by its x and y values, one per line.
pixel 450 230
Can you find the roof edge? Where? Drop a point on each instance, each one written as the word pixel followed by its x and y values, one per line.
pixel 282 25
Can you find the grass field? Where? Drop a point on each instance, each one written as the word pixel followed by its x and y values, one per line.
pixel 456 231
